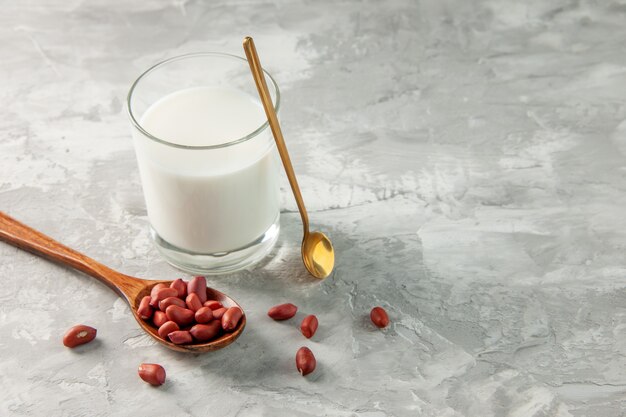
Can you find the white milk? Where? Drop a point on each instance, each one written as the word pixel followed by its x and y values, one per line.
pixel 214 200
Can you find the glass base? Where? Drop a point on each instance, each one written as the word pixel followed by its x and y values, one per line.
pixel 222 262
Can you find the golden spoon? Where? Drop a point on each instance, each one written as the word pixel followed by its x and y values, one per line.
pixel 130 288
pixel 317 251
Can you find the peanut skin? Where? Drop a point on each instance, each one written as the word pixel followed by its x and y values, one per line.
pixel 206 332
pixel 305 361
pixel 231 318
pixel 180 337
pixel 162 294
pixel 152 373
pixel 153 293
pixel 213 304
pixel 217 314
pixel 159 318
pixel 379 317
pixel 181 316
pixel 308 327
pixel 198 285
pixel 282 311
pixel 180 286
pixel 164 304
pixel 144 310
pixel 204 315
pixel 79 335
pixel 193 302
pixel 167 328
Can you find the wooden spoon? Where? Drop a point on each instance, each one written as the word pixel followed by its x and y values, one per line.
pixel 130 288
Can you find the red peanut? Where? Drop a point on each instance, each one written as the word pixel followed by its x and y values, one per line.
pixel 159 318
pixel 305 361
pixel 144 310
pixel 205 332
pixel 213 304
pixel 193 302
pixel 181 316
pixel 164 304
pixel 308 327
pixel 152 373
pixel 198 285
pixel 204 315
pixel 379 317
pixel 180 286
pixel 79 335
pixel 231 318
pixel 167 328
pixel 153 294
pixel 217 314
pixel 282 311
pixel 180 337
pixel 162 294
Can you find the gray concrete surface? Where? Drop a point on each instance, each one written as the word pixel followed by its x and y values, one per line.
pixel 468 160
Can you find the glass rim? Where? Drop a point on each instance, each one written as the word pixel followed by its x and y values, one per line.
pixel 156 66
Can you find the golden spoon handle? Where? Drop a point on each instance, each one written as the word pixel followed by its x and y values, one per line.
pixel 266 99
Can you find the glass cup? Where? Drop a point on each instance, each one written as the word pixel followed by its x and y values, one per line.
pixel 207 162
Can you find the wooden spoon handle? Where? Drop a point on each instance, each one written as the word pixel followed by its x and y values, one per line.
pixel 24 237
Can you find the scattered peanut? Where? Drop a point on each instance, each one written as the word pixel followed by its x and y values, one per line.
pixel 308 327
pixel 379 317
pixel 79 335
pixel 305 361
pixel 152 373
pixel 282 311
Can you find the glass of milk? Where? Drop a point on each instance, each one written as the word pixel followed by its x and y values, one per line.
pixel 207 161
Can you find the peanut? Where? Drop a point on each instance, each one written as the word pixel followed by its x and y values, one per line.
pixel 282 311
pixel 159 318
pixel 169 301
pixel 198 285
pixel 379 317
pixel 231 318
pixel 180 286
pixel 305 361
pixel 217 314
pixel 193 302
pixel 162 294
pixel 167 328
pixel 213 304
pixel 308 327
pixel 180 337
pixel 152 373
pixel 153 293
pixel 181 316
pixel 79 335
pixel 144 310
pixel 205 332
pixel 204 315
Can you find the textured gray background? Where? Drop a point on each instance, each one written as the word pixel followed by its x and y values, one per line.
pixel 468 159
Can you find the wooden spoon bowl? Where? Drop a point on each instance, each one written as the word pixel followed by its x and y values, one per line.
pixel 132 289
pixel 212 294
